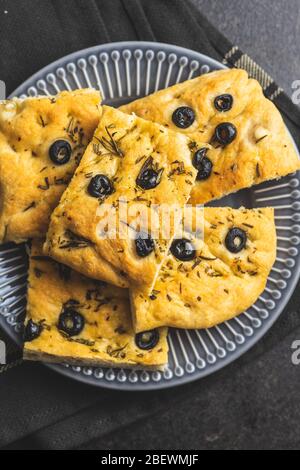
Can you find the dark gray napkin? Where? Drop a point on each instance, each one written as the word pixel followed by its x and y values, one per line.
pixel 40 409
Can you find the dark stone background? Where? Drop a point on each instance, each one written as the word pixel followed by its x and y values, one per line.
pixel 251 404
pixel 268 30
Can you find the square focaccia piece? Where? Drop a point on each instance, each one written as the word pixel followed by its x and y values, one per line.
pixel 75 320
pixel 207 280
pixel 129 171
pixel 247 141
pixel 42 140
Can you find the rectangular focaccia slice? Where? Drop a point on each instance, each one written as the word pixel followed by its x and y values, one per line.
pixel 249 140
pixel 75 320
pixel 42 140
pixel 131 167
pixel 205 281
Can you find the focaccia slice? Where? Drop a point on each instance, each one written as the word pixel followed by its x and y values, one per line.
pixel 42 140
pixel 205 281
pixel 75 320
pixel 131 167
pixel 249 141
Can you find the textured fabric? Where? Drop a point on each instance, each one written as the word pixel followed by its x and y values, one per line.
pixel 40 409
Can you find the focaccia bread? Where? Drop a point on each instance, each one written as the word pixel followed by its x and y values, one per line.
pixel 75 320
pixel 131 167
pixel 248 140
pixel 205 281
pixel 42 140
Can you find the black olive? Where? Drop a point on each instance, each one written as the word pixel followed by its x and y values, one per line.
pixel 32 330
pixel 183 249
pixel 223 102
pixel 202 163
pixel 148 179
pixel 71 322
pixel 235 240
pixel 147 339
pixel 100 186
pixel 144 245
pixel 183 117
pixel 60 152
pixel 225 133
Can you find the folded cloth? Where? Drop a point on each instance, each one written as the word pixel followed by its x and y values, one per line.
pixel 39 406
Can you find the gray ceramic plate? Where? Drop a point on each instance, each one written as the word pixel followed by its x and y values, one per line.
pixel 124 72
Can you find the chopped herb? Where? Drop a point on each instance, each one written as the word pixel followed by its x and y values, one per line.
pixel 117 353
pixel 42 121
pixel 154 294
pixel 85 342
pixel 29 207
pixel 46 185
pixel 192 145
pixel 96 149
pixel 261 138
pixel 75 133
pixel 197 262
pixel 257 170
pixel 110 144
pixel 139 159
pixel 179 170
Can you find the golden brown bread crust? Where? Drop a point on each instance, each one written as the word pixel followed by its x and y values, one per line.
pixel 216 285
pixel 107 338
pixel 262 150
pixel 30 183
pixel 137 140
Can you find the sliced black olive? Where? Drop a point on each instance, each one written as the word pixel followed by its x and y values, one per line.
pixel 60 152
pixel 148 179
pixel 32 330
pixel 225 133
pixel 235 240
pixel 202 163
pixel 223 102
pixel 150 175
pixel 70 322
pixel 183 249
pixel 100 186
pixel 147 339
pixel 183 117
pixel 144 245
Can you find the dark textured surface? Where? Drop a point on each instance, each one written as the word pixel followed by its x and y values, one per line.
pixel 268 31
pixel 253 403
